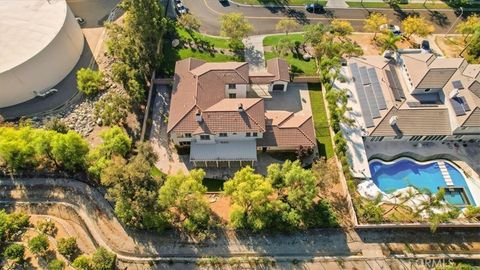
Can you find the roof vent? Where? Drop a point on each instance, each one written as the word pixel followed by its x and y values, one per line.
pixel 393 120
pixel 454 93
pixel 388 54
pixel 240 107
pixel 198 117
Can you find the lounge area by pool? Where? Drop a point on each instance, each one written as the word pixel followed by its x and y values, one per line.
pixel 431 175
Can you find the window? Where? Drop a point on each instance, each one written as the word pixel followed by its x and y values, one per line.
pixel 223 134
pixel 232 86
pixel 254 134
pixel 204 137
pixel 188 135
pixel 184 143
pixel 458 136
pixel 415 138
pixel 232 95
pixel 248 134
pixel 376 139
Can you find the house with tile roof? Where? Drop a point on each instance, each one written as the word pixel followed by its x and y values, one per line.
pixel 214 114
pixel 415 97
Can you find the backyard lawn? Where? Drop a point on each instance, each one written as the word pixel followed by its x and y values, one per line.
pixel 221 43
pixel 272 40
pixel 320 119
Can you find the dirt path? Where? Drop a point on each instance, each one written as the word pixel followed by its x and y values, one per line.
pixel 84 206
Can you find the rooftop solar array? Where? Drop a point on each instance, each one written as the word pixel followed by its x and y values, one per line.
pixel 459 105
pixel 457 85
pixel 369 91
pixel 395 84
pixel 414 104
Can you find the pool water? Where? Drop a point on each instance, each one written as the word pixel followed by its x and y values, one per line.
pixel 404 173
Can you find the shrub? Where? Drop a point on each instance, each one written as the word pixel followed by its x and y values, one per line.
pixel 67 247
pixel 56 265
pixel 47 227
pixel 82 262
pixel 90 82
pixel 102 259
pixel 14 252
pixel 38 245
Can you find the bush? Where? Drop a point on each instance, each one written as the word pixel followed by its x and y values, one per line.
pixel 14 252
pixel 57 125
pixel 10 224
pixel 38 245
pixel 67 247
pixel 56 265
pixel 82 262
pixel 47 227
pixel 90 82
pixel 102 259
pixel 112 109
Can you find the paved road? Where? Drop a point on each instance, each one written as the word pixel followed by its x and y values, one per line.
pixel 265 18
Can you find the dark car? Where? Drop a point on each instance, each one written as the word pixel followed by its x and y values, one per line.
pixel 314 8
pixel 425 45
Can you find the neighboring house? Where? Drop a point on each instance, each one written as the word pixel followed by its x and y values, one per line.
pixel 416 97
pixel 214 112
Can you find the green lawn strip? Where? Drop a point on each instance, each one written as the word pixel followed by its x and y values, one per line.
pixel 209 57
pixel 272 40
pixel 401 6
pixel 288 2
pixel 320 119
pixel 221 43
pixel 298 66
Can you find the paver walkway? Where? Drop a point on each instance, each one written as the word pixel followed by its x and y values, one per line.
pixel 254 54
pixel 337 4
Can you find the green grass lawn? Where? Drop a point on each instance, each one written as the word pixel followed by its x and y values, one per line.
pixel 402 6
pixel 287 2
pixel 298 66
pixel 272 40
pixel 320 119
pixel 221 43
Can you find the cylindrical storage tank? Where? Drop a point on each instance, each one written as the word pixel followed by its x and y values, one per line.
pixel 40 44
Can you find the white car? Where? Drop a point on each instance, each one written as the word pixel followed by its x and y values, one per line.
pixel 395 29
pixel 181 9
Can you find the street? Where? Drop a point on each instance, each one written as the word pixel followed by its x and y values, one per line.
pixel 264 19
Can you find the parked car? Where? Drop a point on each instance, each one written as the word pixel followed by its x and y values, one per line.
pixel 395 29
pixel 80 20
pixel 223 1
pixel 314 8
pixel 425 46
pixel 181 9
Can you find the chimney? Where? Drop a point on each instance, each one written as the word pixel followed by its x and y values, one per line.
pixel 393 120
pixel 240 107
pixel 198 116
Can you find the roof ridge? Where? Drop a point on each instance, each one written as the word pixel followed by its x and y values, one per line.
pixel 301 131
pixel 179 120
pixel 470 115
pixel 253 120
pixel 383 119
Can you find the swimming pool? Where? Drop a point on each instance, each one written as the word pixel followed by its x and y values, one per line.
pixel 404 172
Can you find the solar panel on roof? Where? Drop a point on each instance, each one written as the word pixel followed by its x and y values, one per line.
pixel 392 85
pixel 377 89
pixel 465 104
pixel 397 82
pixel 457 84
pixel 367 116
pixel 364 75
pixel 372 103
pixel 457 107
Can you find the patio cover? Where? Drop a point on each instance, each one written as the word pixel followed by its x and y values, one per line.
pixel 224 151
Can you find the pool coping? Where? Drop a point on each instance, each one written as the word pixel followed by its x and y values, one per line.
pixel 452 163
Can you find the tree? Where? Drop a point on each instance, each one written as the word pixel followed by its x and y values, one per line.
pixel 70 151
pixel 283 46
pixel 189 22
pixel 388 41
pixel 341 28
pixel 67 247
pixel 56 264
pixel 102 259
pixel 473 47
pixel 112 109
pixel 90 82
pixel 182 196
pixel 38 245
pixel 287 25
pixel 16 150
pixel 11 223
pixel 14 252
pixel 373 23
pixel 134 191
pixel 250 195
pixel 467 27
pixel 234 26
pixel 82 262
pixel 416 25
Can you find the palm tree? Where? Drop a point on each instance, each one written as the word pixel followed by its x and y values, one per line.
pixel 389 41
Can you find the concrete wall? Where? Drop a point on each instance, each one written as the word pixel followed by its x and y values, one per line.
pixel 46 68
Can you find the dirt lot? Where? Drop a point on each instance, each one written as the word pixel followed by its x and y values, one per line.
pixel 450 46
pixel 369 47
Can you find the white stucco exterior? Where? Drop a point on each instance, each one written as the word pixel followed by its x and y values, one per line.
pixel 40 44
